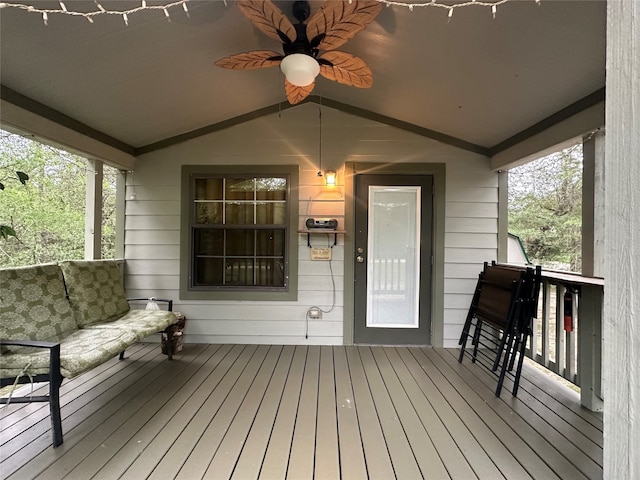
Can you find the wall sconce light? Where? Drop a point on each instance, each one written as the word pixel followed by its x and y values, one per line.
pixel 330 177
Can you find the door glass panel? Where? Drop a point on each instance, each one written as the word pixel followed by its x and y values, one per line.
pixel 393 258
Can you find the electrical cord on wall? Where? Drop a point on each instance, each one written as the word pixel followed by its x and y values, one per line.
pixel 333 287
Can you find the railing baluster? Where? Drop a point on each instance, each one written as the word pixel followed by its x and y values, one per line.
pixel 570 371
pixel 546 313
pixel 560 334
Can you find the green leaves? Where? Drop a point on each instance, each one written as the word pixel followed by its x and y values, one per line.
pixel 545 208
pixel 6 232
pixel 23 177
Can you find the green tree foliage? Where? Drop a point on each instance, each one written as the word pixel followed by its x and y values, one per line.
pixel 545 208
pixel 47 213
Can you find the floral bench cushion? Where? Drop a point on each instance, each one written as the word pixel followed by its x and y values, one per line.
pixel 80 351
pixel 141 323
pixel 33 303
pixel 95 290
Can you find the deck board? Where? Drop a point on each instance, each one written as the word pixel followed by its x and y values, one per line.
pixel 250 458
pixel 302 455
pixel 374 446
pixel 424 451
pixel 400 451
pixel 276 458
pixel 352 464
pixel 446 431
pixel 298 412
pixel 157 425
pixel 327 461
pixel 560 455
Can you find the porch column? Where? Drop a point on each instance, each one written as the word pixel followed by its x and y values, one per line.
pixel 93 211
pixel 622 240
pixel 590 314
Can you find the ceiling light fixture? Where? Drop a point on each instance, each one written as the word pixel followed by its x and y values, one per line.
pixel 300 69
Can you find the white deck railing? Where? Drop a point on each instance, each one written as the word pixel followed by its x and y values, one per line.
pixel 572 346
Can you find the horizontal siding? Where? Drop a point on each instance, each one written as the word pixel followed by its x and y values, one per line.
pixel 152 222
pixel 472 194
pixel 459 285
pixel 468 255
pixel 472 210
pixel 155 222
pixel 153 207
pixel 155 237
pixel 464 240
pixel 471 225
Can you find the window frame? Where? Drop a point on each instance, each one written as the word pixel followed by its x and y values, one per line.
pixel 188 290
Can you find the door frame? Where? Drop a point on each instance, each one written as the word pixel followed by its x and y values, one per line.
pixel 438 171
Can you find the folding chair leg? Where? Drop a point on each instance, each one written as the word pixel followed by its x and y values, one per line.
pixel 476 340
pixel 523 347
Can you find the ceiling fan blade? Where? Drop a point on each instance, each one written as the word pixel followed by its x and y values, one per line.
pixel 341 20
pixel 296 94
pixel 268 18
pixel 345 68
pixel 251 60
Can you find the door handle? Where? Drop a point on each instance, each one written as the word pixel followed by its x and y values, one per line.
pixel 360 259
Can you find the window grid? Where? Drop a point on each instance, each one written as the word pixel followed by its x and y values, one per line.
pixel 253 261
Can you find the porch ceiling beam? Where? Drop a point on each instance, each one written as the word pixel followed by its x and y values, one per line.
pixel 327 102
pixel 578 118
pixel 25 115
pixel 583 116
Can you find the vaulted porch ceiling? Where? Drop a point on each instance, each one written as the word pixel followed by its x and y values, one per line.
pixel 471 77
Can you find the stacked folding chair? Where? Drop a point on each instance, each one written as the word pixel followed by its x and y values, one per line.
pixel 499 319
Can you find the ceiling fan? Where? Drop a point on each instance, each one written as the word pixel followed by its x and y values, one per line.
pixel 309 48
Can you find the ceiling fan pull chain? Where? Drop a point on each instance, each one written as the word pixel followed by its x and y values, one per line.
pixel 320 139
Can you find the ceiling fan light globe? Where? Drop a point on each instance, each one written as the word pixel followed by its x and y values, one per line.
pixel 300 69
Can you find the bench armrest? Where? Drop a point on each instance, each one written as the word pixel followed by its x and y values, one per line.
pixel 54 359
pixel 29 343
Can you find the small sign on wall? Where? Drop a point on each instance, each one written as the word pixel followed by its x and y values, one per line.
pixel 320 253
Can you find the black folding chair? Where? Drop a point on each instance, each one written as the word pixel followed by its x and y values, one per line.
pixel 499 306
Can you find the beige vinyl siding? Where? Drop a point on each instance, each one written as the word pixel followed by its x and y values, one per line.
pixel 152 237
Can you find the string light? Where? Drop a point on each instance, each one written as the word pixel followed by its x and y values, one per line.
pixel 100 10
pixel 125 14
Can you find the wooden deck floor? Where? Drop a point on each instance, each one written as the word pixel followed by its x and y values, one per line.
pixel 272 412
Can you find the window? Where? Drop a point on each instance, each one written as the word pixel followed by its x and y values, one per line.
pixel 240 231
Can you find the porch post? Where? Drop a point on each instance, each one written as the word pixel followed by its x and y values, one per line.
pixel 93 211
pixel 593 216
pixel 621 331
pixel 590 305
pixel 121 187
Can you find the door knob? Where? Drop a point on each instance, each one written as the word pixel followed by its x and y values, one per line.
pixel 360 259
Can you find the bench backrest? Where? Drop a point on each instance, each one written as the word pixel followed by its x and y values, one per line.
pixel 33 303
pixel 95 290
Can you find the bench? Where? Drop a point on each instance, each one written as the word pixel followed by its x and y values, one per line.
pixel 60 320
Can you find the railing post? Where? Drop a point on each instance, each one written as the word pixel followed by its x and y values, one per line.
pixel 590 347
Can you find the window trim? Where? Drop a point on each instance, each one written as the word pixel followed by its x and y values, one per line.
pixel 290 293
